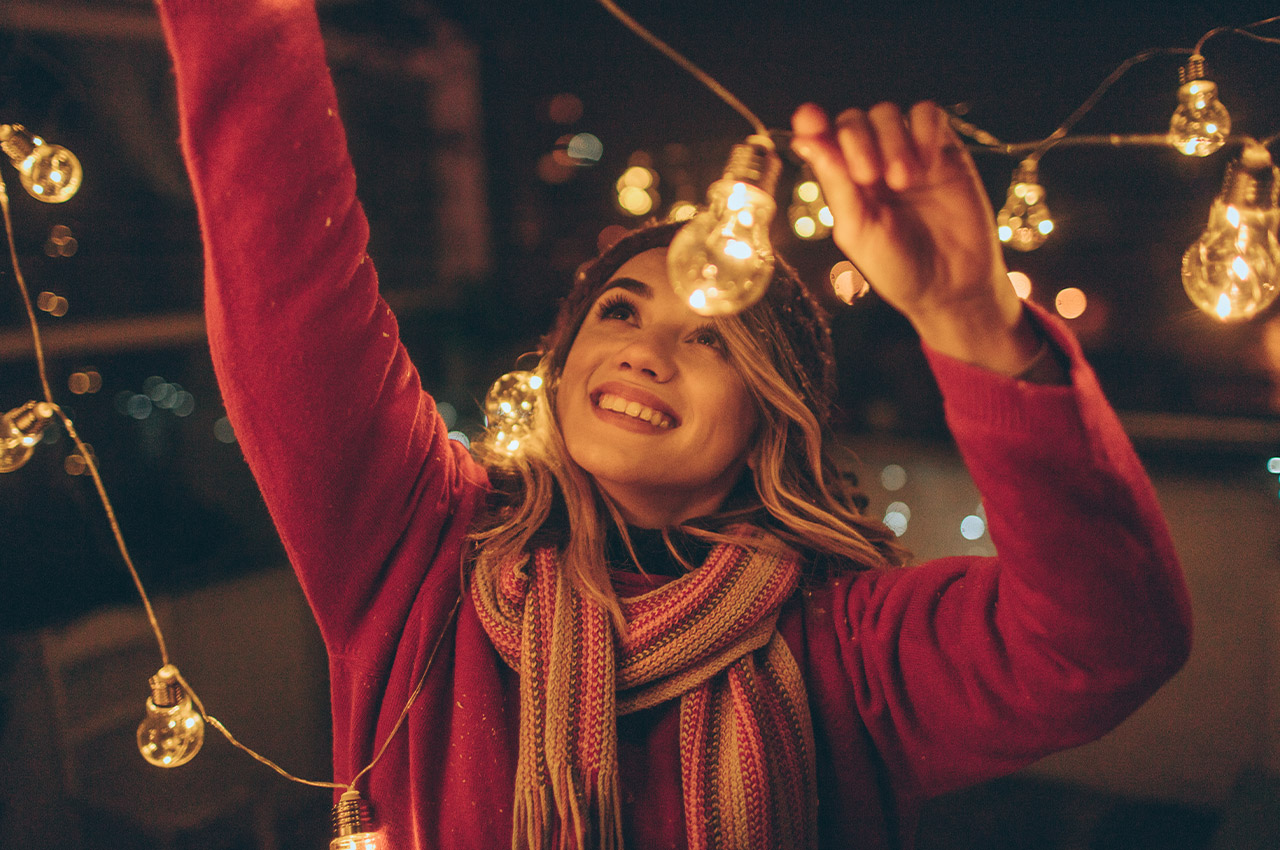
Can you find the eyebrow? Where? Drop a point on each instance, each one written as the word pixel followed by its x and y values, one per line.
pixel 636 287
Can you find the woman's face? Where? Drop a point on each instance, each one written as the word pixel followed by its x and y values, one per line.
pixel 648 402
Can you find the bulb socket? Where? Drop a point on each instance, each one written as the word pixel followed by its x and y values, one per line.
pixel 1028 171
pixel 16 141
pixel 755 161
pixel 350 814
pixel 32 418
pixel 1193 70
pixel 1252 180
pixel 166 690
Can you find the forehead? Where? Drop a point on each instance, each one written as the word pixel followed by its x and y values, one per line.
pixel 648 266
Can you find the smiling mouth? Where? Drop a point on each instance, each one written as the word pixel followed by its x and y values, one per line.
pixel 634 409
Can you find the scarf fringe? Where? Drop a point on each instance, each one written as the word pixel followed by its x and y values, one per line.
pixel 534 829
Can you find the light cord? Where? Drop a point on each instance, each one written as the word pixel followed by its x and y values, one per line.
pixel 92 466
pixel 675 56
pixel 1034 150
pixel 404 712
pixel 1060 133
pixel 85 454
pixel 1244 31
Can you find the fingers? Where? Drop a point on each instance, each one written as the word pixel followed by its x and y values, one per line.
pixel 815 142
pixel 879 146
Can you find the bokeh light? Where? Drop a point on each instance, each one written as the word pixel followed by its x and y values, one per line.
pixel 635 201
pixel 87 380
pixel 893 477
pixel 609 235
pixel 638 176
pixel 682 211
pixel 847 282
pixel 1273 465
pixel 585 149
pixel 223 432
pixel 564 108
pixel 554 170
pixel 75 463
pixel 53 304
pixel 60 242
pixel 972 527
pixel 448 413
pixel 897 516
pixel 1021 284
pixel 1070 303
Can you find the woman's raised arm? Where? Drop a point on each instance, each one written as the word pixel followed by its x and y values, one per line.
pixel 347 449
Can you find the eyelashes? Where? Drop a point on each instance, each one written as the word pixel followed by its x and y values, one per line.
pixel 620 307
pixel 617 306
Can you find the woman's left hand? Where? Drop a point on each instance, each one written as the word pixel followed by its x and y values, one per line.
pixel 911 212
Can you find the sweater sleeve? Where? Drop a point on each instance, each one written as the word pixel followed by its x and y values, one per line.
pixel 967 668
pixel 352 460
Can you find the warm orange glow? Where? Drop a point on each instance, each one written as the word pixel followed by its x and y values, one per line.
pixel 564 108
pixel 1021 284
pixel 1070 303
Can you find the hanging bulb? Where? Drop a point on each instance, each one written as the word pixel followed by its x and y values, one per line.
pixel 1024 222
pixel 1200 125
pixel 809 214
pixel 721 261
pixel 352 825
pixel 49 173
pixel 1232 271
pixel 172 731
pixel 20 430
pixel 509 408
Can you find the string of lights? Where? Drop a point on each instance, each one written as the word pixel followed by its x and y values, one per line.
pixel 720 263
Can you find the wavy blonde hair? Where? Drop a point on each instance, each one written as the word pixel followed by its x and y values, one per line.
pixel 781 348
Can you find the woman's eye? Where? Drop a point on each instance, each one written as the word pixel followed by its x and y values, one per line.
pixel 617 308
pixel 709 336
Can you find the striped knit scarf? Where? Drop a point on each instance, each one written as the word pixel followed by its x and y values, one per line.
pixel 709 638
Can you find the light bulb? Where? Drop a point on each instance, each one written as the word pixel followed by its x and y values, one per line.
pixel 721 261
pixel 509 408
pixel 1232 271
pixel 173 731
pixel 352 825
pixel 20 430
pixel 1200 125
pixel 1024 222
pixel 809 214
pixel 49 173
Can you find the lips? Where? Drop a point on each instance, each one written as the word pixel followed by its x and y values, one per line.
pixel 635 404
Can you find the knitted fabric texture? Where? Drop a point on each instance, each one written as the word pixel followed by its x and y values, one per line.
pixel 709 639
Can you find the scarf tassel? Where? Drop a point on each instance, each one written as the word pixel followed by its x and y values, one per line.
pixel 535 829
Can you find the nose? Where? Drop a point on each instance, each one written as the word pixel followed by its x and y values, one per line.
pixel 649 355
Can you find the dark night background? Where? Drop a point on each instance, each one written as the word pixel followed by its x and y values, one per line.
pixel 1199 398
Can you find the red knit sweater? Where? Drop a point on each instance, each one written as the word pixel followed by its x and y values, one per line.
pixel 921 680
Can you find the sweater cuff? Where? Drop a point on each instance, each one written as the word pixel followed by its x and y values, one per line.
pixel 978 398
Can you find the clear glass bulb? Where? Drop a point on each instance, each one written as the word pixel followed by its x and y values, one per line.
pixel 1232 272
pixel 1024 222
pixel 1200 125
pixel 509 409
pixel 352 824
pixel 20 430
pixel 173 731
pixel 721 261
pixel 49 173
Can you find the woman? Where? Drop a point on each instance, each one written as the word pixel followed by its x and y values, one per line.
pixel 771 678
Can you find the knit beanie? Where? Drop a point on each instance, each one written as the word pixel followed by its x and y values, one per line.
pixel 807 360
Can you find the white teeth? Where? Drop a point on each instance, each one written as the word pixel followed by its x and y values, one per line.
pixel 634 409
